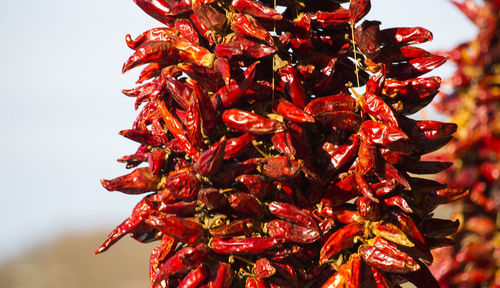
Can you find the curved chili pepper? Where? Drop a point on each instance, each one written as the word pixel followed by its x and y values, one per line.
pixel 222 276
pixel 416 67
pixel 210 161
pixel 375 106
pixel 246 25
pixel 175 127
pixel 293 86
pixel 160 10
pixel 358 9
pixel 195 277
pixel 235 146
pixel 184 260
pixel 340 240
pixel 328 19
pixel 141 180
pixel 152 51
pixel 249 122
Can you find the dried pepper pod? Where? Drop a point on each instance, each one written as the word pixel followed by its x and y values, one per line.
pixel 265 168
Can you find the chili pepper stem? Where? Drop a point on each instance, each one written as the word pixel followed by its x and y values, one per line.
pixel 355 55
pixel 255 145
pixel 236 257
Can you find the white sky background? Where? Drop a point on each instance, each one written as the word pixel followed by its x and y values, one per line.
pixel 60 83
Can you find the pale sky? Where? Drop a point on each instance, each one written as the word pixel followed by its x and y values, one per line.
pixel 61 111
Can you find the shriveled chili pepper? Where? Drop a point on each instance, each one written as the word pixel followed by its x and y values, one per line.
pixel 278 167
pixel 140 181
pixel 263 268
pixel 340 240
pixel 329 104
pixel 405 35
pixel 257 184
pixel 387 257
pixel 244 203
pixel 182 229
pixel 291 232
pixel 184 260
pixel 152 51
pixel 358 9
pixel 249 122
pixel 210 160
pixel 292 83
pixel 255 9
pixel 293 214
pixel 375 106
pixel 195 277
pixel 253 245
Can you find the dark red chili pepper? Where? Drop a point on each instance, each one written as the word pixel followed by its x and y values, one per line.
pixel 415 67
pixel 367 39
pixel 292 112
pixel 141 180
pixel 160 10
pixel 379 133
pixel 245 203
pixel 367 157
pixel 340 240
pixel 358 9
pixel 282 166
pixel 263 268
pixel 398 201
pixel 364 188
pixel 246 25
pixel 152 70
pixel 250 122
pixel 330 104
pixel 211 160
pixel 152 35
pixel 293 214
pixel 405 36
pixel 257 185
pixel 235 146
pixel 293 86
pixel 184 186
pixel 186 29
pixel 195 277
pixel 208 16
pixel 182 229
pixel 253 282
pixel 387 257
pixel 236 228
pixel 175 127
pixel 291 232
pixel 184 260
pixel 334 18
pixel 255 9
pixel 253 245
pixel 152 51
pixel 376 107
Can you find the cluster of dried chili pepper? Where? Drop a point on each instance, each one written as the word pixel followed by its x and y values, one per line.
pixel 265 167
pixel 474 103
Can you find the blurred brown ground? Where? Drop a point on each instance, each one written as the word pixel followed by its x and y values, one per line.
pixel 69 262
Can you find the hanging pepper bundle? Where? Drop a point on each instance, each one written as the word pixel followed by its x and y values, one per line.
pixel 265 167
pixel 474 103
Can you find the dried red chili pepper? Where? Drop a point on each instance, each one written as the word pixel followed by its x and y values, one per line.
pixel 247 113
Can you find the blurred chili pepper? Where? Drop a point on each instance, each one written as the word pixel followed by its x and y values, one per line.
pixel 405 35
pixel 195 277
